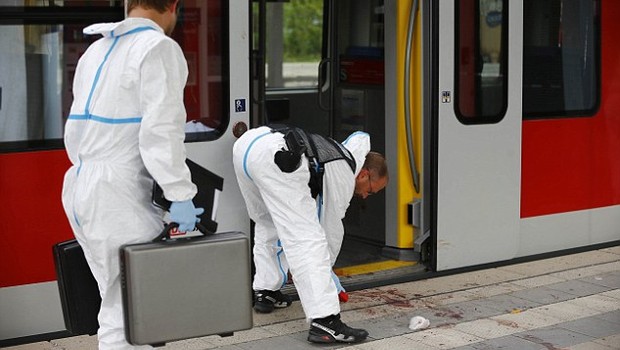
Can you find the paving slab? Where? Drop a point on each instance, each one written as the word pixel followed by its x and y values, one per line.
pixel 613 341
pixel 614 293
pixel 507 303
pixel 591 326
pixel 228 347
pixel 393 343
pixel 529 319
pixel 385 310
pixel 289 327
pixel 590 346
pixel 443 338
pixel 598 302
pixel 488 328
pixel 451 298
pixel 566 311
pixel 498 289
pixel 554 337
pixel 610 279
pixel 580 288
pixel 255 333
pixel 612 316
pixel 189 344
pixel 543 295
pixel 466 311
pixel 591 270
pixel 296 341
pixel 509 343
pixel 34 346
pixel 538 281
pixel 613 250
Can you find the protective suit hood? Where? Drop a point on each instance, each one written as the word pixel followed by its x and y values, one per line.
pixel 121 28
pixel 358 143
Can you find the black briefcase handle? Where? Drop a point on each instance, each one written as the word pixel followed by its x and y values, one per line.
pixel 165 233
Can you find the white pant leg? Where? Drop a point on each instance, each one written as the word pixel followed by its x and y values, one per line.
pixel 269 258
pixel 106 269
pixel 106 222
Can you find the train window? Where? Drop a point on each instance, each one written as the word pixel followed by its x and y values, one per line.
pixel 293 43
pixel 41 42
pixel 560 58
pixel 481 60
pixel 202 32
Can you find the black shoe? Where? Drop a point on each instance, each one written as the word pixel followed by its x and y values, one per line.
pixel 331 330
pixel 266 300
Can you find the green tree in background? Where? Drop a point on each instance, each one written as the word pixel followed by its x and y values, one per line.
pixel 303 22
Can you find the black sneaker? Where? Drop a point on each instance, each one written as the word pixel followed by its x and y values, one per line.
pixel 266 300
pixel 331 330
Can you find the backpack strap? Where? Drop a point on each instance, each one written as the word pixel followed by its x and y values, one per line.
pixel 301 143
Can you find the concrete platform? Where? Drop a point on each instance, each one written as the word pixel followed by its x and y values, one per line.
pixel 569 302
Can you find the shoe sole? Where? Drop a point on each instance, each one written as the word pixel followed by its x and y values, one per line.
pixel 268 308
pixel 327 339
pixel 282 304
pixel 263 309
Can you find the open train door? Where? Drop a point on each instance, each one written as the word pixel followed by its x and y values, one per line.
pixel 477 131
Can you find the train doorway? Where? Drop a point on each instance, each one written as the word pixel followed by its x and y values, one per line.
pixel 335 84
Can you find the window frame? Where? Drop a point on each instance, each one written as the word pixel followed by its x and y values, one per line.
pixel 115 12
pixel 504 60
pixel 591 112
pixel 57 15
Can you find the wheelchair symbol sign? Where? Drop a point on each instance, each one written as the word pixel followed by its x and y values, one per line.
pixel 240 105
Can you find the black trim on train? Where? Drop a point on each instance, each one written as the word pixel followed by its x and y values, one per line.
pixel 11 15
pixel 31 146
pixel 433 119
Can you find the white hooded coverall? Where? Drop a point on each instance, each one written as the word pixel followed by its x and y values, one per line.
pixel 125 129
pixel 310 231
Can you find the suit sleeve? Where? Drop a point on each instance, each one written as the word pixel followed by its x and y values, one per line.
pixel 338 189
pixel 163 74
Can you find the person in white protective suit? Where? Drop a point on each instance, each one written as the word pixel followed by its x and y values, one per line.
pixel 126 129
pixel 294 230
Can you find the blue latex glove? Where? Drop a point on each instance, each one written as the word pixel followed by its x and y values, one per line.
pixel 343 296
pixel 337 282
pixel 185 214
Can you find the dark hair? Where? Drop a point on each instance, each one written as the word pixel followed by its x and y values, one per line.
pixel 375 163
pixel 157 5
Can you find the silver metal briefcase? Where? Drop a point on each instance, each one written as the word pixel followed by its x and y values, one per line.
pixel 183 288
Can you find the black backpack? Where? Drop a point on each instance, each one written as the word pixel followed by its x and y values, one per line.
pixel 318 149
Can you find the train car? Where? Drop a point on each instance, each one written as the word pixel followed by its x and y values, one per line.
pixel 500 121
pixel 41 42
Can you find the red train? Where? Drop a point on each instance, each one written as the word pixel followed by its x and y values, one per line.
pixel 502 133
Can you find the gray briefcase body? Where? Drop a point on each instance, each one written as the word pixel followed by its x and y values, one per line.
pixel 184 288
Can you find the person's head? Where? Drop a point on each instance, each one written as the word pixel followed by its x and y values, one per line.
pixel 373 177
pixel 162 12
